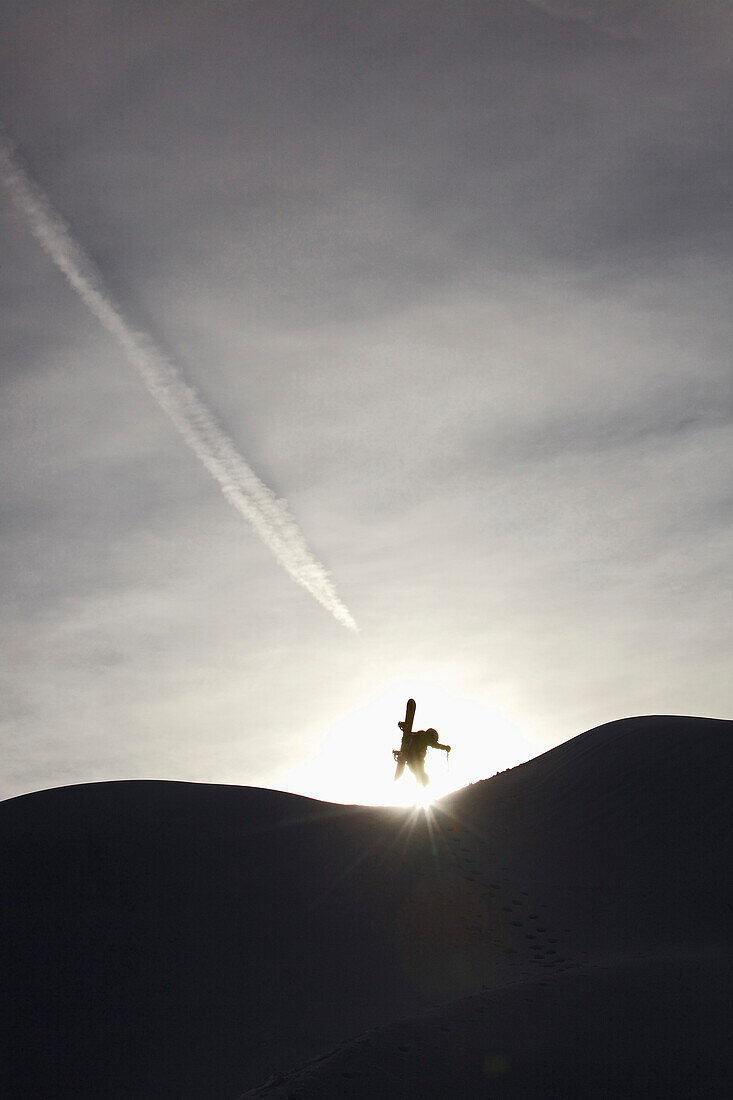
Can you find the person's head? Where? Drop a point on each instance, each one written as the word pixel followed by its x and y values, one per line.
pixel 432 736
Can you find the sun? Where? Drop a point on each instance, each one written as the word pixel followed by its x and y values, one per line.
pixel 352 761
pixel 424 798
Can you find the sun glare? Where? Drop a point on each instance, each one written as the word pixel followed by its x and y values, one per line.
pixel 424 798
pixel 352 761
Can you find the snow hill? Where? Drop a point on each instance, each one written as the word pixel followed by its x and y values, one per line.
pixel 562 929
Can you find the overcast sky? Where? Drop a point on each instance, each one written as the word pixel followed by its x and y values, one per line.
pixel 455 280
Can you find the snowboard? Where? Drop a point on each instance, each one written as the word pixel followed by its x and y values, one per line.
pixel 400 754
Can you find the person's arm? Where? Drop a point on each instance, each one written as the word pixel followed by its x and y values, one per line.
pixel 445 748
pixel 404 748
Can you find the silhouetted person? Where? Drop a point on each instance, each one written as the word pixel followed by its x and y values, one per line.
pixel 413 753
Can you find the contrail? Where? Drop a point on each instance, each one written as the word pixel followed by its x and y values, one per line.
pixel 165 382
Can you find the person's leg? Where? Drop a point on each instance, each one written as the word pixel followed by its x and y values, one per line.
pixel 417 767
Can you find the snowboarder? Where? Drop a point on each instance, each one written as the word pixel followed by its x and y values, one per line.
pixel 415 744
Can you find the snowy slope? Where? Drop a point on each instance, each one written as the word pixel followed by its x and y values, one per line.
pixel 656 1027
pixel 601 868
pixel 166 939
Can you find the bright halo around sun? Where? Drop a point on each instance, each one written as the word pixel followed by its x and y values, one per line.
pixel 424 797
pixel 352 759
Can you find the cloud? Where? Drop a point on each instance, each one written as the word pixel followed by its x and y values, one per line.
pixel 643 18
pixel 603 13
pixel 176 397
pixel 455 275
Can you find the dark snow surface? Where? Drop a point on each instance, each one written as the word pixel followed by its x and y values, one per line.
pixel 562 929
